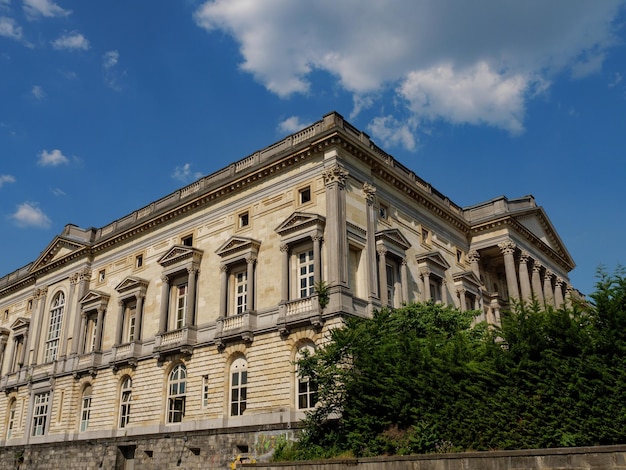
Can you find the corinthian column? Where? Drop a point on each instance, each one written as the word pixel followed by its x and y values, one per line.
pixel 382 275
pixel 508 249
pixel 524 280
pixel 547 288
pixel 372 285
pixel 536 279
pixel 335 176
pixel 558 293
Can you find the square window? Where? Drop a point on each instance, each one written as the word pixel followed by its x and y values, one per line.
pixel 244 220
pixel 305 195
pixel 187 240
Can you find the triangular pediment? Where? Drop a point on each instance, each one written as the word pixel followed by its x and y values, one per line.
pixel 94 296
pixel 299 221
pixel 467 278
pixel 395 237
pixel 432 259
pixel 20 324
pixel 58 249
pixel 180 253
pixel 237 244
pixel 131 283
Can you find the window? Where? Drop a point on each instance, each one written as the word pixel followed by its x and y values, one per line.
pixel 187 240
pixel 238 386
pixel 132 318
pixel 181 306
pixel 29 306
pixel 54 329
pixel 91 333
pixel 85 409
pixel 306 277
pixel 138 261
pixel 435 289
pixel 459 256
pixel 40 413
pixel 125 399
pixel 306 388
pixel 425 236
pixel 6 315
pixel 244 219
pixel 383 212
pixel 241 291
pixel 101 275
pixel 205 391
pixel 305 195
pixel 11 422
pixel 391 270
pixel 176 394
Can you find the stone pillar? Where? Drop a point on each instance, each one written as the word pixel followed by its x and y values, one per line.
pixel 463 303
pixel 404 279
pixel 382 275
pixel 426 277
pixel 536 280
pixel 83 332
pixel 284 282
pixel 35 339
pixel 99 325
pixel 558 293
pixel 524 280
pixel 139 316
pixel 547 288
pixel 3 345
pixel 372 280
pixel 251 261
pixel 508 249
pixel 83 283
pixel 165 300
pixel 317 257
pixel 568 296
pixel 335 176
pixel 191 297
pixel 223 290
pixel 68 314
pixel 473 257
pixel 120 323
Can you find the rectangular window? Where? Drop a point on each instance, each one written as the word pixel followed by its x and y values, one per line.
pixel 435 290
pixel 391 284
pixel 425 236
pixel 383 212
pixel 6 315
pixel 205 391
pixel 187 240
pixel 11 423
pixel 101 275
pixel 238 393
pixel 181 305
pixel 138 261
pixel 241 291
pixel 125 402
pixel 244 220
pixel 85 412
pixel 307 394
pixel 306 278
pixel 40 413
pixel 305 195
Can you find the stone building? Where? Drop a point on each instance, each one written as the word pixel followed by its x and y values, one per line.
pixel 169 336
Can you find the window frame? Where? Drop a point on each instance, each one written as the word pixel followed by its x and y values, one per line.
pixel 176 394
pixel 55 325
pixel 11 418
pixel 41 413
pixel 85 407
pixel 238 387
pixel 306 390
pixel 126 397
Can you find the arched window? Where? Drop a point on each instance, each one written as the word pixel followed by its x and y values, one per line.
pixel 176 394
pixel 85 409
pixel 238 386
pixel 306 389
pixel 11 421
pixel 125 399
pixel 54 329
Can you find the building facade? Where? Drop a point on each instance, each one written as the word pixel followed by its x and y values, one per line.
pixel 184 319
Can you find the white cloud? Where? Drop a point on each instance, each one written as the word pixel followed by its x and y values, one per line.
pixel 110 59
pixel 57 192
pixel 6 179
pixel 9 29
pixel 617 78
pixel 184 174
pixel 45 8
pixel 53 158
pixel 29 215
pixel 74 41
pixel 291 124
pixel 394 132
pixel 109 65
pixel 462 62
pixel 37 92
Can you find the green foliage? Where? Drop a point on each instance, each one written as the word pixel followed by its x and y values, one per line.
pixel 424 379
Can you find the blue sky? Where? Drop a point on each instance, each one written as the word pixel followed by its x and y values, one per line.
pixel 106 106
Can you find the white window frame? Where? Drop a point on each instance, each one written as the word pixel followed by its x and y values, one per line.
pixel 41 410
pixel 306 390
pixel 305 265
pixel 11 421
pixel 85 408
pixel 51 350
pixel 126 396
pixel 130 320
pixel 238 394
pixel 240 287
pixel 180 304
pixel 176 394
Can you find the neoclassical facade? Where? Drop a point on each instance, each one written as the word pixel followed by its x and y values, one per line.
pixel 187 315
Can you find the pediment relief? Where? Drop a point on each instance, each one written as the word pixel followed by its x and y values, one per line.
pixel 238 245
pixel 19 324
pixel 394 237
pixel 301 221
pixel 432 260
pixel 131 283
pixel 467 278
pixel 180 253
pixel 58 249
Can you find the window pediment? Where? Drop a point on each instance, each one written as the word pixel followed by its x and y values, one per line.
pixel 180 255
pixel 394 240
pixel 467 280
pixel 132 285
pixel 93 300
pixel 20 324
pixel 434 262
pixel 300 223
pixel 239 246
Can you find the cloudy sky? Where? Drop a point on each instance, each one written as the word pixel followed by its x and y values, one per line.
pixel 106 106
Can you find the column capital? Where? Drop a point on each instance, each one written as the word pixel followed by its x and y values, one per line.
pixel 284 248
pixel 559 281
pixel 507 247
pixel 381 250
pixel 193 269
pixel 335 174
pixel 473 256
pixel 425 273
pixel 537 266
pixel 524 257
pixel 223 268
pixel 251 259
pixel 369 191
pixel 41 292
pixel 549 274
